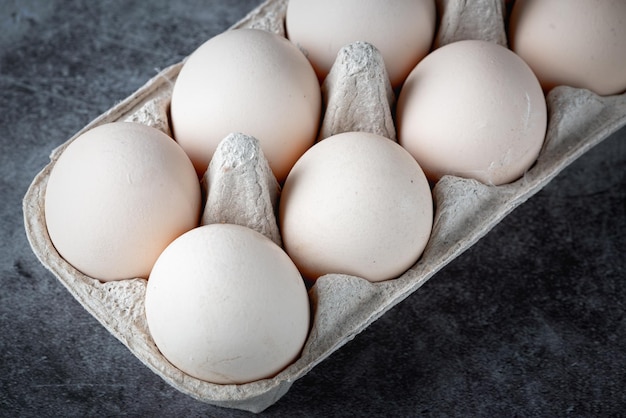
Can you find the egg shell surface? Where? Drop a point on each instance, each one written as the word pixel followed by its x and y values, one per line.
pixel 472 109
pixel 117 196
pixel 252 82
pixel 402 30
pixel 355 203
pixel 578 43
pixel 225 304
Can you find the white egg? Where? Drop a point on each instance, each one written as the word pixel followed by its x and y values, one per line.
pixel 252 82
pixel 402 30
pixel 117 196
pixel 225 304
pixel 579 43
pixel 356 203
pixel 472 109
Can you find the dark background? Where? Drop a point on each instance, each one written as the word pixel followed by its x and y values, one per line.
pixel 529 322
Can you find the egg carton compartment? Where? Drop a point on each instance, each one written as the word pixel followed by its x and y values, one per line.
pixel 342 305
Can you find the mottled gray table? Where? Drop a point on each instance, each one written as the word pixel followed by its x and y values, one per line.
pixel 530 322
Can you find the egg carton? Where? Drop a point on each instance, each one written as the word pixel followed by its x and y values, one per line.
pixel 342 305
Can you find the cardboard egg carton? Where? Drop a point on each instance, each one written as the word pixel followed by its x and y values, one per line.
pixel 342 305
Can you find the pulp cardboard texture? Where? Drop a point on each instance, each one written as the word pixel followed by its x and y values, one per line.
pixel 342 305
pixel 240 187
pixel 357 94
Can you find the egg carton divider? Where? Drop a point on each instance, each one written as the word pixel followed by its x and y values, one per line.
pixel 343 305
